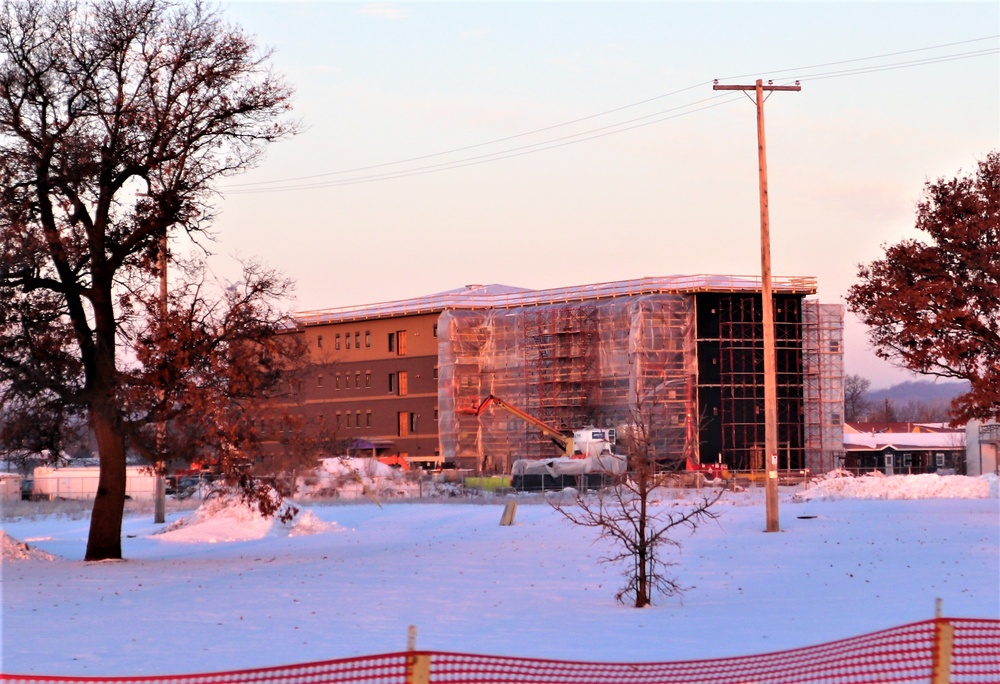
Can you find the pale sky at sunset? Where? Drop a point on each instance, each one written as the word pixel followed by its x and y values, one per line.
pixel 893 94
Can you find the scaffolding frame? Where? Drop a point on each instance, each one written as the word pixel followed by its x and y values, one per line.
pixel 823 386
pixel 607 364
pixel 610 362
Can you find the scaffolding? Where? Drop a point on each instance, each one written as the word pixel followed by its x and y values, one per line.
pixel 561 347
pixel 687 366
pixel 823 386
pixel 610 364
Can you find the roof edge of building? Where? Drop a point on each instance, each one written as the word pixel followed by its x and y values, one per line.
pixel 478 297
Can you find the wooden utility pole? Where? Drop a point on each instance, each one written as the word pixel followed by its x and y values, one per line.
pixel 160 506
pixel 770 358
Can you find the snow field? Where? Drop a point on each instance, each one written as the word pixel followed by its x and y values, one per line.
pixel 223 590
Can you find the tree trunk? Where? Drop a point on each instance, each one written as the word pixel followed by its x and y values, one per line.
pixel 643 475
pixel 642 579
pixel 105 541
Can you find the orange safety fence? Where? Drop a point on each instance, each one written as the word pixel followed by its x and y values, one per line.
pixel 956 650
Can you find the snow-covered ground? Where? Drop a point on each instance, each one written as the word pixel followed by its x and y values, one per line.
pixel 221 589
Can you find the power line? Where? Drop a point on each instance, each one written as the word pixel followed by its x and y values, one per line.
pixel 505 154
pixel 865 59
pixel 482 144
pixel 295 183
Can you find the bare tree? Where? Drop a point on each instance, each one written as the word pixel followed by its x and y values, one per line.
pixel 630 517
pixel 856 400
pixel 117 118
pixel 886 412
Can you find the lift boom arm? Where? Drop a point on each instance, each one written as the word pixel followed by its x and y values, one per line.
pixel 559 439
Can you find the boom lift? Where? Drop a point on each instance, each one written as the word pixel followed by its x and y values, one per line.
pixel 578 444
pixel 594 445
pixel 586 451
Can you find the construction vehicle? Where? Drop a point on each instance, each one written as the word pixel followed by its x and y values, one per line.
pixel 710 471
pixel 578 444
pixel 595 447
pixel 586 451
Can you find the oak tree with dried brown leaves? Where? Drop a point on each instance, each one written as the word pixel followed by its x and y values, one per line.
pixel 933 305
pixel 117 119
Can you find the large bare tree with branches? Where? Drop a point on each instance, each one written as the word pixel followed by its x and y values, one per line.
pixel 117 118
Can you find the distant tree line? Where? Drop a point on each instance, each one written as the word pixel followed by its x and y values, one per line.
pixel 863 405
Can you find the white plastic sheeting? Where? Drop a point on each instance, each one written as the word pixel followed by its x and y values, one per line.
pixel 608 363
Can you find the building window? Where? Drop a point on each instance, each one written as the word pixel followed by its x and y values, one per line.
pixel 403 383
pixel 368 378
pixel 435 413
pixel 413 423
pixel 368 418
pixel 357 379
pixel 357 417
pixel 357 340
pixel 319 341
pixel 435 372
pixel 392 383
pixel 337 421
pixel 319 380
pixel 392 342
pixel 336 341
pixel 336 381
pixel 435 330
pixel 347 417
pixel 939 460
pixel 347 340
pixel 368 338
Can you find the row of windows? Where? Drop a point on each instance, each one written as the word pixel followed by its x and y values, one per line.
pixel 908 460
pixel 398 383
pixel 347 340
pixel 407 421
pixel 395 341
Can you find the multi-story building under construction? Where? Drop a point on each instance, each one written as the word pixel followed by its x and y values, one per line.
pixel 683 355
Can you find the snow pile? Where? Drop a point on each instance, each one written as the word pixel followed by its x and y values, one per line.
pixel 367 468
pixel 224 518
pixel 14 550
pixel 842 485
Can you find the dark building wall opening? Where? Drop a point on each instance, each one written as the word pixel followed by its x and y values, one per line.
pixel 731 379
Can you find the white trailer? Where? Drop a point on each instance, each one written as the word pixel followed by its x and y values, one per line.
pixel 10 487
pixel 81 483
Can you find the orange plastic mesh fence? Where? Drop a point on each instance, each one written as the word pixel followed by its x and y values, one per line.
pixel 901 654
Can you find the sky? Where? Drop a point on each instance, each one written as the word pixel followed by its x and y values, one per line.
pixel 219 588
pixel 552 144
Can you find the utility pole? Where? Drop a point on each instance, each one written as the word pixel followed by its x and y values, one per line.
pixel 160 506
pixel 770 358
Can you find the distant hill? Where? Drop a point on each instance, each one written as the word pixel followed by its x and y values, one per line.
pixel 920 391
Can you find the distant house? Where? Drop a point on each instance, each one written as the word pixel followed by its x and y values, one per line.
pixel 904 448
